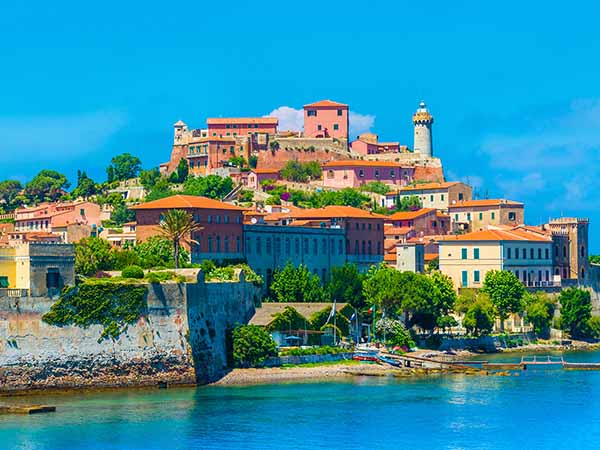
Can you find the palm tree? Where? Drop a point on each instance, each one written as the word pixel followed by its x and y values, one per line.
pixel 177 226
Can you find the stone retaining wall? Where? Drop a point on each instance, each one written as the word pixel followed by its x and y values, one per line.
pixel 182 340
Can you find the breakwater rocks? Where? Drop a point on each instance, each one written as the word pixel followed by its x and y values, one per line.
pixel 182 339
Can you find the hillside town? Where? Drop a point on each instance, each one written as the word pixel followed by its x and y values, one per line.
pixel 298 243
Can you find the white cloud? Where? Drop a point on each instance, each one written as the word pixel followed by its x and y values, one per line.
pixel 293 119
pixel 56 138
pixel 513 188
pixel 360 123
pixel 289 118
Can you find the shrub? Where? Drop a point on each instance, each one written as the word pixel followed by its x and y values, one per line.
pixel 324 350
pixel 252 345
pixel 132 272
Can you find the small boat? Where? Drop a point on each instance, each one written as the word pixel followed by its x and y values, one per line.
pixel 365 355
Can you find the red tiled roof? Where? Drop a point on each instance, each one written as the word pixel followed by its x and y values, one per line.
pixel 486 202
pixel 258 171
pixel 329 212
pixel 186 202
pixel 325 103
pixel 397 230
pixel 242 120
pixel 431 256
pixel 497 235
pixel 361 163
pixel 410 215
pixel 429 186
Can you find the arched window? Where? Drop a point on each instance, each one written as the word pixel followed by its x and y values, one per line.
pixel 218 244
pixel 582 251
pixel 226 244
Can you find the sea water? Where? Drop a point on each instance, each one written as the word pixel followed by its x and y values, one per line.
pixel 539 409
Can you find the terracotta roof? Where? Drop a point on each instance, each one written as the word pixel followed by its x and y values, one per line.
pixel 242 120
pixel 265 171
pixel 361 163
pixel 264 315
pixel 397 230
pixel 329 212
pixel 410 215
pixel 496 235
pixel 441 215
pixel 325 103
pixel 431 256
pixel 186 202
pixel 429 186
pixel 390 257
pixel 486 202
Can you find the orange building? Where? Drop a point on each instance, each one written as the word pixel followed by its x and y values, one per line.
pixel 236 126
pixel 424 221
pixel 222 225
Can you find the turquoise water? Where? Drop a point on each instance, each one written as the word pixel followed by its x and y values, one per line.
pixel 536 410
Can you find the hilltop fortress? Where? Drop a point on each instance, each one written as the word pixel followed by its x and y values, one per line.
pixel 324 139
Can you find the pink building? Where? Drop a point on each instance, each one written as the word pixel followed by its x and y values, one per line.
pixel 326 119
pixel 353 173
pixel 231 127
pixel 256 176
pixel 47 217
pixel 368 144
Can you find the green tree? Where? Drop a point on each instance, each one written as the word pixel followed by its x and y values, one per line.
pixel 237 161
pixel 252 345
pixel 575 311
pixel 161 189
pixel 313 170
pixel 345 285
pixel 85 186
pixel 382 288
pixel 288 319
pixel 149 178
pixel 376 186
pixel 506 293
pixel 394 333
pixel 539 309
pixel 211 186
pixel 48 185
pixel 9 192
pixel 157 251
pixel 92 255
pixel 479 318
pixel 594 259
pixel 177 226
pixel 411 203
pixel 253 161
pixel 296 284
pixel 120 214
pixel 294 171
pixel 181 173
pixel 123 167
pixel 443 299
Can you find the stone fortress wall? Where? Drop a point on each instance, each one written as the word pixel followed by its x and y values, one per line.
pixel 182 340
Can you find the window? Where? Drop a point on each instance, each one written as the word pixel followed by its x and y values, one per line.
pixel 476 277
pixel 531 254
pixel 315 247
pixel 238 219
pixel 361 173
pixel 3 282
pixel 370 226
pixel 340 112
pixel 460 196
pixel 218 244
pixel 433 224
pixel 378 226
pixel 305 246
pixel 226 219
pixel 475 253
pixel 509 250
pixel 277 245
pixel 209 219
pixel 392 173
pixel 336 126
pixel 376 173
pixel 258 247
pixel 442 197
pixel 319 127
pixel 356 247
pixel 287 246
pixel 269 246
pixel 364 248
pixel 524 253
pixel 469 216
pixel 493 215
pixel 217 219
pixel 311 113
pixel 341 247
pixel 370 250
pixel 456 217
pixel 516 253
pixel 480 216
pixel 512 216
pixel 357 226
pixel 463 253
pixel 324 246
pixel 226 244
pixel 82 212
pixel 297 246
pixel 465 278
pixel 539 253
pixel 582 251
pixel 431 198
pixel 547 254
pixel 330 174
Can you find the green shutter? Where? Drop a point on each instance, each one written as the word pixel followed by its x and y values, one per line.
pixel 465 278
pixel 463 253
pixel 476 276
pixel 476 253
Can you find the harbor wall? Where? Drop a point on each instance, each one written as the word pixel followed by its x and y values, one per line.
pixel 183 339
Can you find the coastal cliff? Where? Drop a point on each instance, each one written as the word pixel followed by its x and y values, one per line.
pixel 181 339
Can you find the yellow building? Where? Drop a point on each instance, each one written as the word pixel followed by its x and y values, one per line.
pixel 477 215
pixel 36 269
pixel 467 258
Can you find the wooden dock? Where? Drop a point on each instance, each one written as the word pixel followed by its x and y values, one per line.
pixel 26 409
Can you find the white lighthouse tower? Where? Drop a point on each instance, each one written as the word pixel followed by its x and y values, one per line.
pixel 422 121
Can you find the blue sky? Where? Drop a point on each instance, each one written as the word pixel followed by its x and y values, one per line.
pixel 513 86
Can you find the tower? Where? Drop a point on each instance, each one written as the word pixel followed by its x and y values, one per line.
pixel 180 129
pixel 422 121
